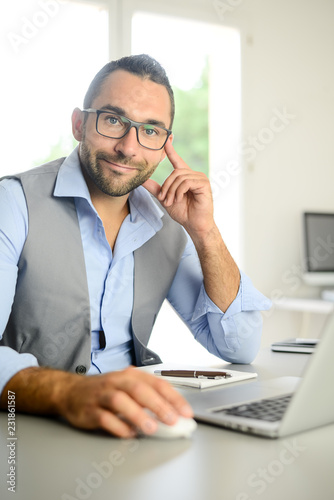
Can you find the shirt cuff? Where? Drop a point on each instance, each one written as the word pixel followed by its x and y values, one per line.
pixel 204 305
pixel 248 299
pixel 251 298
pixel 11 362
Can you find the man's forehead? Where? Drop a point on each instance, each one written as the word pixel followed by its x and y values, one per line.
pixel 134 93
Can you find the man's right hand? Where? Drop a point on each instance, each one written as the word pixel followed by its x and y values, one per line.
pixel 114 402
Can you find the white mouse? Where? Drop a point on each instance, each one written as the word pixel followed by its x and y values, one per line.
pixel 183 428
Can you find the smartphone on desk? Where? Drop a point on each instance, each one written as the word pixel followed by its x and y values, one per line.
pixel 305 346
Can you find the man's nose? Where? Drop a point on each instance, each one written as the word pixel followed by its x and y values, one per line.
pixel 128 144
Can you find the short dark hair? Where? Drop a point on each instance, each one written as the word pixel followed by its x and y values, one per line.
pixel 142 65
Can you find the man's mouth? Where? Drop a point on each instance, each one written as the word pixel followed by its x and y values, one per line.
pixel 120 167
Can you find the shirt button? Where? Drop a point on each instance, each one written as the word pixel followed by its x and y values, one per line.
pixel 81 369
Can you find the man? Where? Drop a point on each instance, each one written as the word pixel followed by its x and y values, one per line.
pixel 90 248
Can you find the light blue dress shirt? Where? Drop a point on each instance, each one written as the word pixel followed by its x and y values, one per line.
pixel 233 335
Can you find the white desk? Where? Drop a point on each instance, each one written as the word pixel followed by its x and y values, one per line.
pixel 57 462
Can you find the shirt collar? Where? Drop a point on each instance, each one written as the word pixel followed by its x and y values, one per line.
pixel 142 205
pixel 71 183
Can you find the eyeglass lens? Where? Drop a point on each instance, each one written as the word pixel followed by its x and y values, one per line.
pixel 115 127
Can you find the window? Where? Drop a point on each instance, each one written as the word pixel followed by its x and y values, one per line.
pixel 52 50
pixel 203 64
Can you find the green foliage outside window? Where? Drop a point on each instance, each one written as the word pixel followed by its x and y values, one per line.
pixel 190 129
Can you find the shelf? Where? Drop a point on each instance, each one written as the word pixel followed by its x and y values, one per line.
pixel 304 305
pixel 307 307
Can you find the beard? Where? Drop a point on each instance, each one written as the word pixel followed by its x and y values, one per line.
pixel 113 183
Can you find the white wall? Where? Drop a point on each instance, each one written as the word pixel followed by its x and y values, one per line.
pixel 288 64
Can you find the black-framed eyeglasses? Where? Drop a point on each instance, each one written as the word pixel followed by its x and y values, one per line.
pixel 115 126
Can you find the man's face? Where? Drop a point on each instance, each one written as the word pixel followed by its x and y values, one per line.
pixel 117 166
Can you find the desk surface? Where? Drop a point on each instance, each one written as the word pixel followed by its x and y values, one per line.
pixel 55 461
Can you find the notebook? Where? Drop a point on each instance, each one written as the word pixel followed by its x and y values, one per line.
pixel 252 405
pixel 304 346
pixel 206 383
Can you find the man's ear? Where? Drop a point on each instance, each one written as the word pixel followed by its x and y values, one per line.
pixel 78 124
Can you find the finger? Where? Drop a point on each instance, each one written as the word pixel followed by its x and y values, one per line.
pixel 174 398
pixel 174 158
pixel 195 185
pixel 175 177
pixel 172 184
pixel 168 395
pixel 156 395
pixel 187 185
pixel 146 396
pixel 128 410
pixel 115 425
pixel 101 418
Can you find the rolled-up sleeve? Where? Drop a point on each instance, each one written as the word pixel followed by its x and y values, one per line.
pixel 233 335
pixel 11 362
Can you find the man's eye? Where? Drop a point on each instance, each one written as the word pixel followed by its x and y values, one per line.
pixel 151 131
pixel 111 120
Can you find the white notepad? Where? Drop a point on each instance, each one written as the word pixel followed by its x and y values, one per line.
pixel 205 383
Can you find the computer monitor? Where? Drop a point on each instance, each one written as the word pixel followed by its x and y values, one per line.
pixel 318 248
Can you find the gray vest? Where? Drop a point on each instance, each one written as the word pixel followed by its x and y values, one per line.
pixel 50 317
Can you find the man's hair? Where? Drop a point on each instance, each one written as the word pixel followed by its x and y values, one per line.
pixel 141 65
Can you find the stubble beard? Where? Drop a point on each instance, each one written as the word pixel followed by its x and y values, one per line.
pixel 114 184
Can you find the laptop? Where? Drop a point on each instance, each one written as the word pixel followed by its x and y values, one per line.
pixel 277 407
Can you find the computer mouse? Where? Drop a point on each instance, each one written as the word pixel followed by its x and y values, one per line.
pixel 183 428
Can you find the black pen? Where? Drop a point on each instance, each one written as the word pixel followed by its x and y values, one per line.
pixel 193 374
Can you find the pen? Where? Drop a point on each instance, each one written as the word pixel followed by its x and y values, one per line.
pixel 193 374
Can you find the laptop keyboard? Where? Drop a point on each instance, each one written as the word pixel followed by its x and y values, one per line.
pixel 270 410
